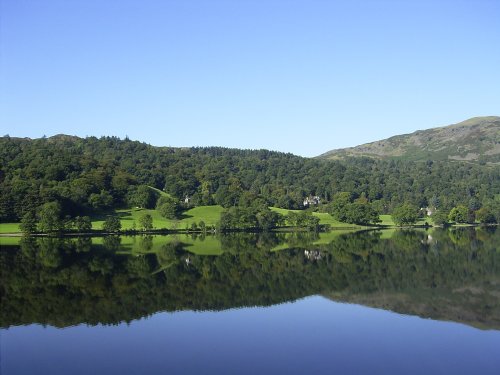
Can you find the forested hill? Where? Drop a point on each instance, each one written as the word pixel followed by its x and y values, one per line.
pixel 88 175
pixel 474 140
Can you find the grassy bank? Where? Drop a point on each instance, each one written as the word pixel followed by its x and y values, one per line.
pixel 129 219
pixel 324 218
pixel 9 228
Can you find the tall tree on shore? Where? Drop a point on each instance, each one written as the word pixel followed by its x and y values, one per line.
pixel 406 214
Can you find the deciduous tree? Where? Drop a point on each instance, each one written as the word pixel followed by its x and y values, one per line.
pixel 49 217
pixel 112 224
pixel 146 222
pixel 459 214
pixel 406 214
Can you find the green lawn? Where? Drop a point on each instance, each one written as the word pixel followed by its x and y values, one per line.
pixel 386 220
pixel 325 218
pixel 209 214
pixel 9 228
pixel 282 211
pixel 160 192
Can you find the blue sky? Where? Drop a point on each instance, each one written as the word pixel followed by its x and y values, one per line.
pixel 296 76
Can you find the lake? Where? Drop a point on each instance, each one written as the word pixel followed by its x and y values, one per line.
pixel 375 302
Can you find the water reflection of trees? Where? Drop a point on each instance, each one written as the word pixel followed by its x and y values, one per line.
pixel 64 282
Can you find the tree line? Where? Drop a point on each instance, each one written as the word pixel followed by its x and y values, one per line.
pixel 85 176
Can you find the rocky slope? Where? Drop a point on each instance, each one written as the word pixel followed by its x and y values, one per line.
pixel 474 140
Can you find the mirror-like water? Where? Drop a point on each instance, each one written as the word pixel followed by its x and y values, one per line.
pixel 366 302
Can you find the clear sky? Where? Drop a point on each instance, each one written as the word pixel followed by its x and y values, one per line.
pixel 296 76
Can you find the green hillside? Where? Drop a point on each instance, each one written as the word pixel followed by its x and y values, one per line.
pixel 473 140
pixel 50 182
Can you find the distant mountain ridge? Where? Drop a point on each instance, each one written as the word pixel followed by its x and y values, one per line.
pixel 473 140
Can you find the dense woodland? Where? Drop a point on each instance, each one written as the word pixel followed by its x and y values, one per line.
pixel 91 175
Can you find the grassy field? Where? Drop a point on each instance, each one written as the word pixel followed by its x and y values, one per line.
pixel 9 228
pixel 209 214
pixel 160 192
pixel 386 220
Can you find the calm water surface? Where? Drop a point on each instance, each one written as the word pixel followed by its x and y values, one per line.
pixel 365 303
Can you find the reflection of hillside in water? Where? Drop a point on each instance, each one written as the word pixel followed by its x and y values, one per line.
pixel 449 275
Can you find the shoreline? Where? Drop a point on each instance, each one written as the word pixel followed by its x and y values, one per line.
pixel 212 232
